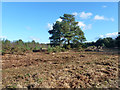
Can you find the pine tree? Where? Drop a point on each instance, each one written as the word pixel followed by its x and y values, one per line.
pixel 55 38
pixel 67 31
pixel 71 31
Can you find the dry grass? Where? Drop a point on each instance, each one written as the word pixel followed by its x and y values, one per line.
pixel 60 70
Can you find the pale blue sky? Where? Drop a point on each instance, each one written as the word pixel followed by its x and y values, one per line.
pixel 32 20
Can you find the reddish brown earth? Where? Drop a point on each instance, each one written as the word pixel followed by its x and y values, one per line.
pixel 60 70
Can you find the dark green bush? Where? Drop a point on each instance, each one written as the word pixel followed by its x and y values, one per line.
pixel 50 49
pixel 63 49
pixel 56 49
pixel 68 47
pixel 80 49
pixel 2 52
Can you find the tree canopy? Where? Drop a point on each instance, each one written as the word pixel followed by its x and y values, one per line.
pixel 67 31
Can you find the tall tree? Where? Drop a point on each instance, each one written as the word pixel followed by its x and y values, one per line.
pixel 66 31
pixel 56 35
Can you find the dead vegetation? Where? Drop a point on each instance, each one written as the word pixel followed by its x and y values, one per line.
pixel 60 70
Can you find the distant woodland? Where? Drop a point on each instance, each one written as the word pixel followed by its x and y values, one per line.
pixel 65 35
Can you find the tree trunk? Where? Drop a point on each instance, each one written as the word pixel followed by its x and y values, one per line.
pixel 68 42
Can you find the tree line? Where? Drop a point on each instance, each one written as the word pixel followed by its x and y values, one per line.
pixel 19 46
pixel 65 35
pixel 107 42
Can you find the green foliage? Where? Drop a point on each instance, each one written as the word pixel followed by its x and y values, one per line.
pixel 56 49
pixel 80 49
pixel 2 52
pixel 50 49
pixel 68 47
pixel 105 42
pixel 103 45
pixel 18 47
pixel 37 48
pixel 63 49
pixel 67 31
pixel 117 41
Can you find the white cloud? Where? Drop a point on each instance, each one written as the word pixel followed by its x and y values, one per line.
pixel 34 38
pixel 84 26
pixel 84 15
pixel 89 26
pixel 101 36
pixel 113 35
pixel 109 19
pixel 104 6
pixel 75 13
pixel 50 26
pixel 112 19
pixel 89 41
pixel 59 19
pixel 97 17
pixel 81 24
pixel 3 37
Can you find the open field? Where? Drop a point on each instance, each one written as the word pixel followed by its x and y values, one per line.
pixel 60 70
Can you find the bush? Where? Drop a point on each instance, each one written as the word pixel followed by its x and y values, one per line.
pixel 37 48
pixel 28 48
pixel 68 47
pixel 80 49
pixel 2 52
pixel 50 49
pixel 63 49
pixel 57 49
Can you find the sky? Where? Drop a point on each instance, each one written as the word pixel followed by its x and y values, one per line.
pixel 32 20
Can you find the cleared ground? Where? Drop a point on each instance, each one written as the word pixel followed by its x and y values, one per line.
pixel 60 70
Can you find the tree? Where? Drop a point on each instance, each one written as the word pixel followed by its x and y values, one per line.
pixel 56 35
pixel 117 41
pixel 106 42
pixel 72 32
pixel 67 31
pixel 99 42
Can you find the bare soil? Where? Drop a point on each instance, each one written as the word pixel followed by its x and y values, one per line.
pixel 60 70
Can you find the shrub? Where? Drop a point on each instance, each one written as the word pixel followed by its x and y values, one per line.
pixel 63 49
pixel 57 49
pixel 28 48
pixel 68 47
pixel 2 52
pixel 37 48
pixel 50 49
pixel 80 49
